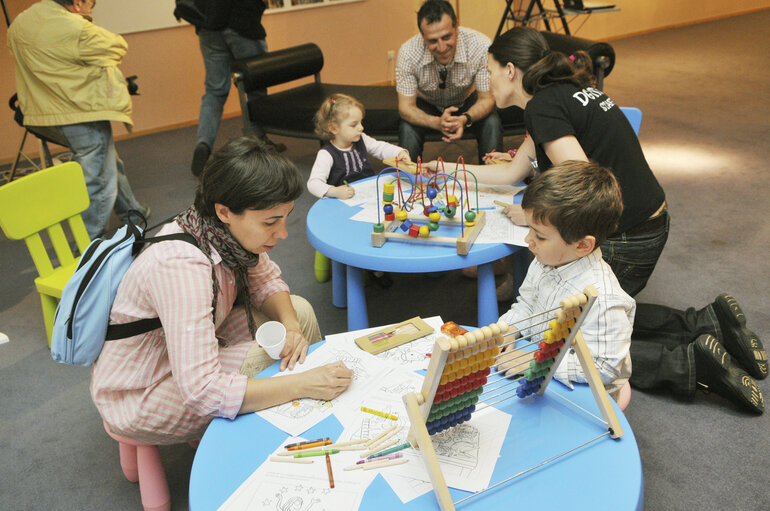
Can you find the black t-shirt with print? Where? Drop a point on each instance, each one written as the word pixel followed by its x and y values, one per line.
pixel 606 137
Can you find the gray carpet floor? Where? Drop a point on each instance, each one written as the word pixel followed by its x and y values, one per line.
pixel 705 132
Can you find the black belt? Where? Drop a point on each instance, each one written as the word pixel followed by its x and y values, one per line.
pixel 650 225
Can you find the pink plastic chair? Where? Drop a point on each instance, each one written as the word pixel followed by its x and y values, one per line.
pixel 141 462
pixel 624 396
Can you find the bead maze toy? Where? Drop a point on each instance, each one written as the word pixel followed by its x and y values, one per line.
pixel 439 207
pixel 460 365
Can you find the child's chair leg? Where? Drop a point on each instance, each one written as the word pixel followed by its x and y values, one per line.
pixel 128 461
pixel 152 479
pixel 49 304
pixel 322 267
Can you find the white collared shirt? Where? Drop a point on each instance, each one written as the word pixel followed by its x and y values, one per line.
pixel 607 327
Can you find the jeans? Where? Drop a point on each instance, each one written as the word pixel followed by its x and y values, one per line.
pixel 219 48
pixel 633 257
pixel 487 131
pixel 93 148
pixel 661 346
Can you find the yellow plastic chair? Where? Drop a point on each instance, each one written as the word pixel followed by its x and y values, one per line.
pixel 43 201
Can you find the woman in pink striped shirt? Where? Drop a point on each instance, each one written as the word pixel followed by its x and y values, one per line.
pixel 165 386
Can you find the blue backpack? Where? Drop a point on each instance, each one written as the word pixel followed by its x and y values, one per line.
pixel 81 324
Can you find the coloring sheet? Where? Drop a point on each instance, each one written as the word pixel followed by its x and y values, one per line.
pixel 277 486
pixel 298 416
pixel 459 451
pixel 498 227
pixel 383 395
pixel 411 356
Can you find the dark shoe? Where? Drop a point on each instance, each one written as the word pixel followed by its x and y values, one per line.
pixel 739 341
pixel 716 371
pixel 275 146
pixel 200 157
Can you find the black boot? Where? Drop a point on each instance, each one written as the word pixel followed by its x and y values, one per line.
pixel 715 370
pixel 739 341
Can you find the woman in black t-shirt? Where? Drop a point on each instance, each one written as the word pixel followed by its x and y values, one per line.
pixel 567 118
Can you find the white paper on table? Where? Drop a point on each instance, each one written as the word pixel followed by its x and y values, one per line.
pixel 411 356
pixel 467 453
pixel 296 417
pixel 275 485
pixel 406 488
pixel 384 395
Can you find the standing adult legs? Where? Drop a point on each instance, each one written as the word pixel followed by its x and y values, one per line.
pixel 216 59
pixel 243 48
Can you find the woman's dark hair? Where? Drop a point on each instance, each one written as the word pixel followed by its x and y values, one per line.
pixel 245 174
pixel 527 49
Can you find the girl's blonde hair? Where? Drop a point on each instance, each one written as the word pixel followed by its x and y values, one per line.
pixel 332 111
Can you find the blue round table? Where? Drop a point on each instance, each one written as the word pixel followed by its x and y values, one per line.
pixel 348 244
pixel 603 474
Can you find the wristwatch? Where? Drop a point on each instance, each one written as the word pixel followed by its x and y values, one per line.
pixel 470 119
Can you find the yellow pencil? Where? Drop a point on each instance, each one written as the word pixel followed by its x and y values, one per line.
pixel 381 414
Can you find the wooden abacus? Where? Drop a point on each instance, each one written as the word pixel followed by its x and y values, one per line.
pixel 459 368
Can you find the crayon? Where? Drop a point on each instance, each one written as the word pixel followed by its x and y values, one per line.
pixel 305 454
pixel 381 414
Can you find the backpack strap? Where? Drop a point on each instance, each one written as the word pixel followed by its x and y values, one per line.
pixel 142 326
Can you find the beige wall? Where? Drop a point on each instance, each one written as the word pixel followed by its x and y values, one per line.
pixel 634 16
pixel 355 39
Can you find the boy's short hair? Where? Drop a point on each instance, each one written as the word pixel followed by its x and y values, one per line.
pixel 578 198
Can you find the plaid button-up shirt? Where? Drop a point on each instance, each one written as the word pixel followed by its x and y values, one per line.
pixel 417 72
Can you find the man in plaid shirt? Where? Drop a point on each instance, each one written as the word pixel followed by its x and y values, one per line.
pixel 443 83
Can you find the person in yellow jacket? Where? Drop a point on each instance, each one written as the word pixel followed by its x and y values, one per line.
pixel 67 77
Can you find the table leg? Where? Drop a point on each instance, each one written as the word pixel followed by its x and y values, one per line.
pixel 339 291
pixel 357 314
pixel 487 296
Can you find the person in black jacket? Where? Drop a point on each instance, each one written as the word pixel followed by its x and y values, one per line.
pixel 231 29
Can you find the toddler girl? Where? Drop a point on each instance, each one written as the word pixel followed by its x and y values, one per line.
pixel 344 159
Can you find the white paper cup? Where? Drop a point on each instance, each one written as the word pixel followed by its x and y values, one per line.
pixel 272 336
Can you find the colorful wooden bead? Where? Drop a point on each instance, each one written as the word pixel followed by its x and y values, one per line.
pixel 450 211
pixel 388 208
pixel 424 231
pixel 387 196
pixel 433 226
pixel 401 214
pixel 379 227
pixel 435 216
pixel 414 230
pixel 432 192
pixel 390 217
pixel 451 200
pixel 470 216
pixel 406 225
pixel 389 187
